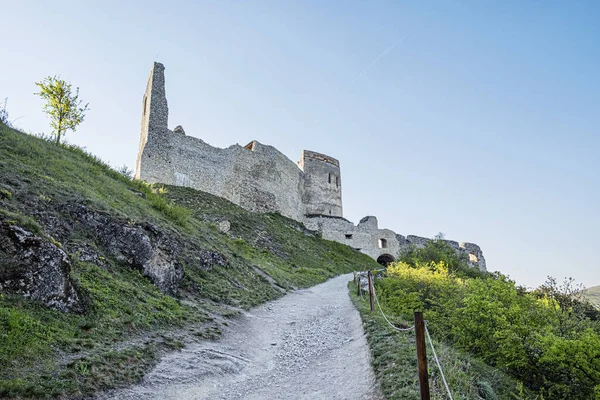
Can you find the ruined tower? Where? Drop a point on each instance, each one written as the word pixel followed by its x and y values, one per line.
pixel 155 115
pixel 260 178
pixel 322 184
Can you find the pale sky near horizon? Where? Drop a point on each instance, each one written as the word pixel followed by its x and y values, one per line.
pixel 478 119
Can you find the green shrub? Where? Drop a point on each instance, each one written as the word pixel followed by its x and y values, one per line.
pixel 543 338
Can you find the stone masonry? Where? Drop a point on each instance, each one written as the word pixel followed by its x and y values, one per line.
pixel 260 178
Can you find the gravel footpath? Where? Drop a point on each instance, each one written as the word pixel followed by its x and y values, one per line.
pixel 307 345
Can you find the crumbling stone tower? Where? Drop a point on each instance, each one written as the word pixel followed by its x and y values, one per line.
pixel 257 177
pixel 322 185
pixel 155 118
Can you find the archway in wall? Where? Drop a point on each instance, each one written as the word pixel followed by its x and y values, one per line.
pixel 385 259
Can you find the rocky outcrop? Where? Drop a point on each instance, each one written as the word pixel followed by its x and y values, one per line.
pixel 143 247
pixel 34 267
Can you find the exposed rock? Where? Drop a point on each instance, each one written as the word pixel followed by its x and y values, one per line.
pixel 208 259
pixel 32 266
pixel 264 240
pixel 86 253
pixel 145 248
pixel 224 226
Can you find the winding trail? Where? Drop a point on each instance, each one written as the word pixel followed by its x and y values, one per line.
pixel 307 345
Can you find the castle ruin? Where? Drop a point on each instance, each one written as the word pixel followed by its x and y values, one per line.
pixel 260 178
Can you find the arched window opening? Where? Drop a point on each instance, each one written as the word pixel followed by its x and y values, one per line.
pixel 382 243
pixel 329 178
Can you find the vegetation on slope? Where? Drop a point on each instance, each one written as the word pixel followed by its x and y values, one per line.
pixel 128 321
pixel 547 340
pixel 394 362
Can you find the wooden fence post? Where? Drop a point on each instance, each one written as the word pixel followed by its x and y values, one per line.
pixel 370 279
pixel 422 355
pixel 358 286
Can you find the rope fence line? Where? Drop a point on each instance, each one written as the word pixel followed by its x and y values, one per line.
pixel 423 380
pixel 437 361
pixel 386 318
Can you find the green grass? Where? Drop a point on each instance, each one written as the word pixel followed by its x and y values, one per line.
pixel 395 364
pixel 46 353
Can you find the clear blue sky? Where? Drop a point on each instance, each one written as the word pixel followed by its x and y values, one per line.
pixel 483 123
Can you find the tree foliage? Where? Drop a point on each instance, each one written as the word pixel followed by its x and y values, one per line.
pixel 547 338
pixel 4 113
pixel 64 108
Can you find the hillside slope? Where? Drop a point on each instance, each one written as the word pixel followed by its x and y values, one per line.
pixel 99 273
pixel 593 295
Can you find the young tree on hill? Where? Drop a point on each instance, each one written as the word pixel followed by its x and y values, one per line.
pixel 62 105
pixel 4 113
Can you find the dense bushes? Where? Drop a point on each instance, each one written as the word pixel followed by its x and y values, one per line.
pixel 548 339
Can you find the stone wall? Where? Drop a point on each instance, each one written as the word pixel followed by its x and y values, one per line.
pixel 323 184
pixel 383 245
pixel 257 177
pixel 260 178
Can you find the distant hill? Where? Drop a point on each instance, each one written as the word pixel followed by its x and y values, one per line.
pixel 593 294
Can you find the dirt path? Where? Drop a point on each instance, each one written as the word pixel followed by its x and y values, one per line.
pixel 306 345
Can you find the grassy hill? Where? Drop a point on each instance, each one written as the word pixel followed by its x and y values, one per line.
pixel 146 268
pixel 593 295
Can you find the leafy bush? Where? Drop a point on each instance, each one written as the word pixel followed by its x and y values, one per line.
pixel 544 338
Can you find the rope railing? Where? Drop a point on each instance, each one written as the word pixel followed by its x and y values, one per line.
pixel 420 348
pixel 386 318
pixel 437 361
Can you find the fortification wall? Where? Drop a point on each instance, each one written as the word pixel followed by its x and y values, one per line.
pixel 365 237
pixel 257 177
pixel 262 179
pixel 384 245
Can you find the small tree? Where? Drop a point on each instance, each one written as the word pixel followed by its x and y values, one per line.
pixel 4 113
pixel 62 106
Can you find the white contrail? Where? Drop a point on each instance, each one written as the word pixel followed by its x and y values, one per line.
pixel 364 71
